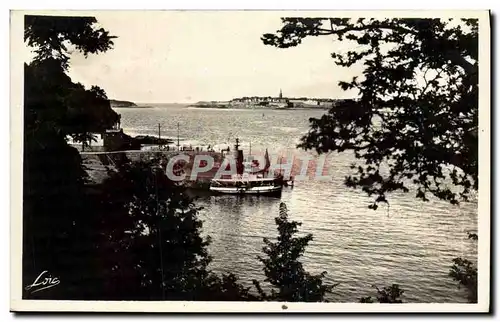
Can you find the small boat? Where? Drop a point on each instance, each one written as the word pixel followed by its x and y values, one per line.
pixel 247 184
pixel 240 183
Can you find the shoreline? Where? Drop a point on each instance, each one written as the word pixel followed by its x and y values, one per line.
pixel 131 107
pixel 258 108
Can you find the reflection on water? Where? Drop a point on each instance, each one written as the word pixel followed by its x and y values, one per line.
pixel 411 243
pixel 238 225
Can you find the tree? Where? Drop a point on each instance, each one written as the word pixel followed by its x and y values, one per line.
pixel 74 111
pixel 137 236
pixel 168 254
pixel 414 121
pixel 52 98
pixel 58 226
pixel 283 269
pixel 225 288
pixel 464 272
pixel 389 294
pixel 152 243
pixel 54 36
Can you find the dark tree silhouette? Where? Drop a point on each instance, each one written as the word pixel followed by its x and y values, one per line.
pixel 52 101
pixel 151 238
pixel 58 234
pixel 464 272
pixel 54 36
pixel 389 294
pixel 74 111
pixel 283 269
pixel 414 123
pixel 134 237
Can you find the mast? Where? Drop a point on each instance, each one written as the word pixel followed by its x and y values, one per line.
pixel 238 155
pixel 236 148
pixel 178 145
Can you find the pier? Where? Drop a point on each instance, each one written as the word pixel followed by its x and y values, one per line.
pixel 99 163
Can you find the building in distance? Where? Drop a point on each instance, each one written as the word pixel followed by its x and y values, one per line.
pixel 272 102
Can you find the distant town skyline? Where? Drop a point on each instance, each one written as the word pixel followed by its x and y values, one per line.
pixel 186 57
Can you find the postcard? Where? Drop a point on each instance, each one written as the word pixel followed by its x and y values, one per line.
pixel 250 161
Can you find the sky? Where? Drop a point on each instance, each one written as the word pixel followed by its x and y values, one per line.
pixel 179 56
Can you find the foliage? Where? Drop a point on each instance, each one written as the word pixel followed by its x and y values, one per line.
pixel 54 104
pixel 161 232
pixel 152 238
pixel 472 236
pixel 53 215
pixel 415 119
pixel 54 37
pixel 389 294
pixel 465 273
pixel 226 288
pixel 52 100
pixel 283 269
pixel 137 236
pixel 58 234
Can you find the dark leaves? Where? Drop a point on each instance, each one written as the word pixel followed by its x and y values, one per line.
pixel 52 98
pixel 416 114
pixel 51 35
pixel 166 256
pixel 136 236
pixel 284 271
pixel 60 226
pixel 389 294
pixel 464 272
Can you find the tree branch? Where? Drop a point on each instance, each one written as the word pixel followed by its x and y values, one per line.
pixel 453 55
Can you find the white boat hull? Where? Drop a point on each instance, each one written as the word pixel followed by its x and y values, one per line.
pixel 247 191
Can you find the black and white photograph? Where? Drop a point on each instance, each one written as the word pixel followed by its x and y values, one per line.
pixel 250 161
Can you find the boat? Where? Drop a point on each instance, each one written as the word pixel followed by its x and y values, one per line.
pixel 247 184
pixel 254 183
